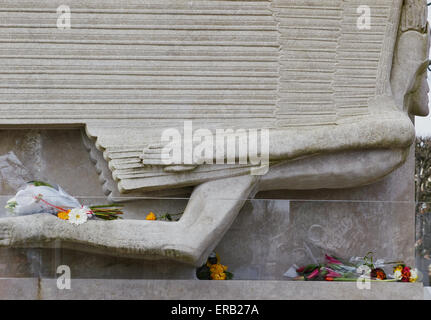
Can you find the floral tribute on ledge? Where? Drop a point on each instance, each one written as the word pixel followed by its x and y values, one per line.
pixel 41 197
pixel 213 269
pixel 166 217
pixel 335 269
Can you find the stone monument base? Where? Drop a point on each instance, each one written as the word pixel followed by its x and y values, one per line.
pixel 97 289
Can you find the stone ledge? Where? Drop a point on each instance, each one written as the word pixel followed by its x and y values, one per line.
pixel 19 288
pixel 30 288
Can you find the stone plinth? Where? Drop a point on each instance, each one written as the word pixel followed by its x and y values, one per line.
pixel 203 290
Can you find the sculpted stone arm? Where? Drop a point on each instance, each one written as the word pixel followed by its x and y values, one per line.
pixel 374 132
pixel 345 169
pixel 211 210
pixel 385 128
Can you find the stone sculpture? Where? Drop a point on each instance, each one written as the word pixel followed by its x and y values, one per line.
pixel 336 99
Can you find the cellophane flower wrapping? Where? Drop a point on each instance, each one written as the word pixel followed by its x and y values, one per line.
pixel 34 198
pixel 323 265
pixel 40 197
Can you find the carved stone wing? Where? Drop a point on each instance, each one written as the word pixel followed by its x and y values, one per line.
pixel 127 70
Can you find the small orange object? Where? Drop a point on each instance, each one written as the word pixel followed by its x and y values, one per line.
pixel 64 215
pixel 151 216
pixel 218 276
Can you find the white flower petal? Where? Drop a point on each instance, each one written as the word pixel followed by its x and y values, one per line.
pixel 78 216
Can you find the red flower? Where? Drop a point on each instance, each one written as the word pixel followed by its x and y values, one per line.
pixel 405 274
pixel 329 279
pixel 378 274
pixel 300 270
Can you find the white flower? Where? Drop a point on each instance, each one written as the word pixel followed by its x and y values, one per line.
pixel 398 275
pixel 78 216
pixel 413 275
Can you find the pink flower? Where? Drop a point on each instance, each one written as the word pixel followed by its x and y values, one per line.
pixel 333 274
pixel 313 274
pixel 332 260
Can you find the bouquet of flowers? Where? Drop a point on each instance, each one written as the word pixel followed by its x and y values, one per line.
pixel 332 268
pixel 405 274
pixel 213 269
pixel 41 197
pixel 335 269
pixel 165 217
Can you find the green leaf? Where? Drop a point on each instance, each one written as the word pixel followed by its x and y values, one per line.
pixel 41 183
pixel 229 275
pixel 107 206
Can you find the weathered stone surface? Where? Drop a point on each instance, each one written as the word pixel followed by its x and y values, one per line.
pixel 20 289
pixel 228 290
pixel 270 236
pixel 350 221
pixel 326 89
pixel 96 266
pixel 97 289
